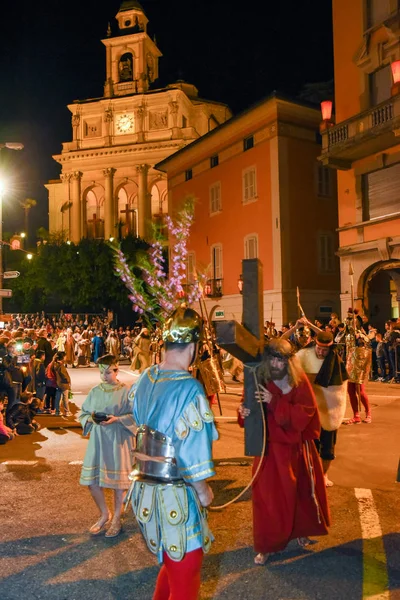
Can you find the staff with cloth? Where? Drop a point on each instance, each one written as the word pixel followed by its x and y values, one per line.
pixel 107 415
pixel 173 459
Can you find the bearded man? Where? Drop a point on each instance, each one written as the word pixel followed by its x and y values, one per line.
pixel 328 377
pixel 289 495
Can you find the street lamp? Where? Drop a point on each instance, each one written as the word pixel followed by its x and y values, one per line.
pixel 10 146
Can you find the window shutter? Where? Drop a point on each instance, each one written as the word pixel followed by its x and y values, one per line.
pixel 251 247
pixel 217 262
pixel 382 192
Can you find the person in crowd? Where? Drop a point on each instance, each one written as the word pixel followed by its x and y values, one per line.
pixel 6 433
pixel 21 418
pixel 63 381
pixel 50 389
pixel 97 346
pixel 113 344
pixel 44 344
pixel 127 345
pixel 107 416
pixel 141 351
pixel 170 406
pixel 39 374
pixel 380 356
pixel 69 345
pixel 289 495
pixel 328 377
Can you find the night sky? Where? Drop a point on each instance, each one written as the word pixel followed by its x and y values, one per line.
pixel 51 54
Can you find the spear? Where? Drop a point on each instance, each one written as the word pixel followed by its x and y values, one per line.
pixel 303 314
pixel 351 273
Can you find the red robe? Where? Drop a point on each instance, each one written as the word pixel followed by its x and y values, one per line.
pixel 283 504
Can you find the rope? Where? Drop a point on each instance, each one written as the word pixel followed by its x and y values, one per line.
pixel 253 370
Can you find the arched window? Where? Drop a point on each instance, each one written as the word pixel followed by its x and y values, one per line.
pixel 125 67
pixel 95 213
pixel 126 213
pixel 155 201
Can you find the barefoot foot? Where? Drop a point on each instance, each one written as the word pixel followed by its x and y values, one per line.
pixel 261 559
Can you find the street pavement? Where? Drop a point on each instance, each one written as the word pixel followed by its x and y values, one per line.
pixel 46 552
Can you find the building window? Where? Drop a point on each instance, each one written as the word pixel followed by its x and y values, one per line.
pixel 216 261
pixel 184 121
pixel 248 143
pixel 378 11
pixel 214 161
pixel 190 267
pixel 380 192
pixel 215 198
pixel 380 85
pixel 188 174
pixel 324 181
pixel 326 252
pixel 249 185
pixel 251 246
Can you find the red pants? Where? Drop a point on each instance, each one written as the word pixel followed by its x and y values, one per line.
pixel 180 580
pixel 352 391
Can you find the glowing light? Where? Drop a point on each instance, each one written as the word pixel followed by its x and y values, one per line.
pixel 395 66
pixel 23 234
pixel 326 109
pixel 29 256
pixel 111 239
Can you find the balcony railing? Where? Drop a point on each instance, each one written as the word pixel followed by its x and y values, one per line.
pixel 362 135
pixel 213 288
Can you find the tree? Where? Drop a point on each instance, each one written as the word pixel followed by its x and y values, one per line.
pixel 75 277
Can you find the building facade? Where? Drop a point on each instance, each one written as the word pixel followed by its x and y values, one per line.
pixel 108 186
pixel 363 147
pixel 260 192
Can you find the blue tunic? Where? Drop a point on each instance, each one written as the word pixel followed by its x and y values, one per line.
pixel 174 403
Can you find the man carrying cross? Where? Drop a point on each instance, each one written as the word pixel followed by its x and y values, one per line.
pixel 289 496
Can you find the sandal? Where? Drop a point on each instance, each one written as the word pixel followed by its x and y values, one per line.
pixel 100 525
pixel 303 541
pixel 354 421
pixel 114 529
pixel 261 559
pixel 368 419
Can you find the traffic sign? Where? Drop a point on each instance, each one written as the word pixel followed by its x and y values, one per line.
pixel 11 274
pixel 5 293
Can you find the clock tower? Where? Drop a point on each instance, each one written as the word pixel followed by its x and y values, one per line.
pixel 108 186
pixel 131 55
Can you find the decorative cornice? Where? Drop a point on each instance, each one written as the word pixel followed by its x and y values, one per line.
pixel 62 158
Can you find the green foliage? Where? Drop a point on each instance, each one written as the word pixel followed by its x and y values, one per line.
pixel 76 277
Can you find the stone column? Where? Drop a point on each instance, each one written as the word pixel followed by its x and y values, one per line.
pixel 173 111
pixel 76 215
pixel 63 221
pixel 144 205
pixel 139 123
pixel 109 211
pixel 108 120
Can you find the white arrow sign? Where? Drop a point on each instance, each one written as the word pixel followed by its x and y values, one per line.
pixel 5 293
pixel 11 274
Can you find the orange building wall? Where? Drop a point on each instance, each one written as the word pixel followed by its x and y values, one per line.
pixel 308 215
pixel 348 29
pixel 235 221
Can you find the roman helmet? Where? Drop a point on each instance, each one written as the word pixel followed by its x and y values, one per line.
pixel 183 326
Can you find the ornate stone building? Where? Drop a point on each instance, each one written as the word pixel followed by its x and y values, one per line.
pixel 108 186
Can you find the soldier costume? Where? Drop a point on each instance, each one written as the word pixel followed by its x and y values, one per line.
pixel 173 451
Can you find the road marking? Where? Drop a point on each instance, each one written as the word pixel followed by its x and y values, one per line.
pixel 20 462
pixel 375 575
pixel 130 373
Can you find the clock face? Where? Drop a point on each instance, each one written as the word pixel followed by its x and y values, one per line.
pixel 125 123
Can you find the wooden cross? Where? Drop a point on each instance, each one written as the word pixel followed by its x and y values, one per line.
pixel 246 342
pixel 128 212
